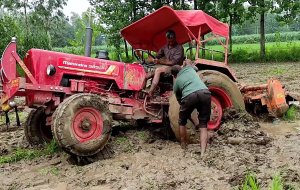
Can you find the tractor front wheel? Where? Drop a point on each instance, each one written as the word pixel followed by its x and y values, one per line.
pixel 36 131
pixel 224 94
pixel 82 124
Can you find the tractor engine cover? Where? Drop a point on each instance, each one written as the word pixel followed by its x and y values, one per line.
pixel 49 68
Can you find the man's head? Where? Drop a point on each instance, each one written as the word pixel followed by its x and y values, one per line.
pixel 175 70
pixel 171 37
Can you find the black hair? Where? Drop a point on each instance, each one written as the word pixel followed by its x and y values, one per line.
pixel 175 70
pixel 170 34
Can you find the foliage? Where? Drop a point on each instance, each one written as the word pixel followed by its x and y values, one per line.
pixel 32 22
pixel 291 114
pixel 80 23
pixel 278 183
pixel 287 10
pixel 255 38
pixel 276 52
pixel 50 170
pixel 29 154
pixel 242 53
pixel 250 182
pixel 272 25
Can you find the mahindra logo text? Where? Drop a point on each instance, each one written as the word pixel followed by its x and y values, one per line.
pixel 102 66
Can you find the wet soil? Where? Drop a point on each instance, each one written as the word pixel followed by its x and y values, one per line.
pixel 140 159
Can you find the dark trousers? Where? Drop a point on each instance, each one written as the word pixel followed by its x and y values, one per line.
pixel 200 100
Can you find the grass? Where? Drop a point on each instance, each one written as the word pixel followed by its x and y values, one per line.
pixel 29 154
pixel 49 170
pixel 125 143
pixel 275 52
pixel 142 135
pixel 256 47
pixel 251 183
pixel 277 71
pixel 12 117
pixel 277 183
pixel 291 114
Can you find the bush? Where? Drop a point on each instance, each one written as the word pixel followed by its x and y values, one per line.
pixel 277 52
pixel 255 38
pixel 242 53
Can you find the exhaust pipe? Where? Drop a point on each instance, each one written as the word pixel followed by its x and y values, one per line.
pixel 88 42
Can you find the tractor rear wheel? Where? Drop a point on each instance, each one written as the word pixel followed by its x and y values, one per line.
pixel 82 124
pixel 36 131
pixel 225 93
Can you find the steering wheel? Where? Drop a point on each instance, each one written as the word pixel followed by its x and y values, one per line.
pixel 188 49
pixel 139 56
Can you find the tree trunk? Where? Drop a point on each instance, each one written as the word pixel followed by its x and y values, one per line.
pixel 195 4
pixel 230 33
pixel 126 50
pixel 26 21
pixel 262 37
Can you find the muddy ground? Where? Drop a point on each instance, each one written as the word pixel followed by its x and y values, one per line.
pixel 139 159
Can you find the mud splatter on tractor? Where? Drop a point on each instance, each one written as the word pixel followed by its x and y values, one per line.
pixel 75 98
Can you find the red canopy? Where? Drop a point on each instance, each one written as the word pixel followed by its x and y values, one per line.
pixel 148 33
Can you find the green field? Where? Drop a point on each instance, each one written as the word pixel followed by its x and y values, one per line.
pixel 275 52
pixel 256 47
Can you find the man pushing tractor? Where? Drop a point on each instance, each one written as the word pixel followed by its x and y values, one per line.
pixel 191 93
pixel 75 98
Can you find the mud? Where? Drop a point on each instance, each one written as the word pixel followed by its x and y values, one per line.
pixel 140 159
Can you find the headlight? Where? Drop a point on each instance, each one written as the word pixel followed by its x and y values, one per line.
pixel 51 70
pixel 12 104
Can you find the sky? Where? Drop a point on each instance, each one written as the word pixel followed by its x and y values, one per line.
pixel 77 6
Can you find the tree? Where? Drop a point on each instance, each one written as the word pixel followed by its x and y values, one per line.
pixel 79 24
pixel 232 11
pixel 116 14
pixel 207 6
pixel 261 7
pixel 286 10
pixel 35 21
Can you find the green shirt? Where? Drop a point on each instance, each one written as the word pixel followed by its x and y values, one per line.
pixel 187 82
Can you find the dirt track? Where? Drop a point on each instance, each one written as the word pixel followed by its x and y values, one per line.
pixel 141 160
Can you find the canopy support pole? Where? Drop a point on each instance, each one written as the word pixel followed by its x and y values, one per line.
pixel 226 52
pixel 198 44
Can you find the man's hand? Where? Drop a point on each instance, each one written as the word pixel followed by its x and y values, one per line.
pixel 187 62
pixel 150 59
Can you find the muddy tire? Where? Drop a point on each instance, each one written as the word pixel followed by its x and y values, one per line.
pixel 225 93
pixel 81 124
pixel 36 131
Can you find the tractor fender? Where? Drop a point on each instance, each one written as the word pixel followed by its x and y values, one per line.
pixel 217 66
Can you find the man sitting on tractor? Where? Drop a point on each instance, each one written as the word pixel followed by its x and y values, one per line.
pixel 170 54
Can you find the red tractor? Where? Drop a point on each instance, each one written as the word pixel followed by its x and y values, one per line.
pixel 76 98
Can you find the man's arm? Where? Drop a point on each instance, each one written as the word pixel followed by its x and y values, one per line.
pixel 160 53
